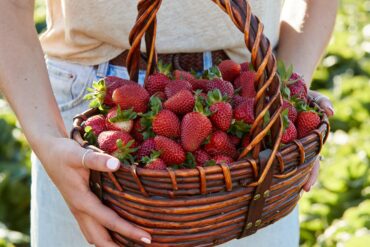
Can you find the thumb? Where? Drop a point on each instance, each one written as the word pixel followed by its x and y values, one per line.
pixel 99 161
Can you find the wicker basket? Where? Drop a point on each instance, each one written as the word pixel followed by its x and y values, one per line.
pixel 208 206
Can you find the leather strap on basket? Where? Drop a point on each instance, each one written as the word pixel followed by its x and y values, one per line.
pixel 253 218
pixel 263 60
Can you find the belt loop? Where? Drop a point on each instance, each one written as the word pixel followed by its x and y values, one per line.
pixel 207 60
pixel 102 70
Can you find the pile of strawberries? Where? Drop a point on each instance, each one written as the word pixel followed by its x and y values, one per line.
pixel 183 119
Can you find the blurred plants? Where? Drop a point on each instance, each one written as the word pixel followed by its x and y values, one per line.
pixel 337 210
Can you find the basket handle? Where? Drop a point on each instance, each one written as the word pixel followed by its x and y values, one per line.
pixel 268 98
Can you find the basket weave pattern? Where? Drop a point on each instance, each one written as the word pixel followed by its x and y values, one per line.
pixel 208 206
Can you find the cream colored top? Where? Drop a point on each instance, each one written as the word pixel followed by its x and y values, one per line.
pixel 93 31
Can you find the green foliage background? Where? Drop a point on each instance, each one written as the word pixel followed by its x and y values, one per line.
pixel 337 210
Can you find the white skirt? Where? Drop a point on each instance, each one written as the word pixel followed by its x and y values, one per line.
pixel 52 224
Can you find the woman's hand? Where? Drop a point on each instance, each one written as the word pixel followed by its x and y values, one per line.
pixel 63 163
pixel 327 106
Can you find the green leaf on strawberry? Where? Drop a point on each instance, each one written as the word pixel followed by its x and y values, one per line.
pixel 89 136
pixel 239 128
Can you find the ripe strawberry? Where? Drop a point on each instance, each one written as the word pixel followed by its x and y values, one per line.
pixel 120 120
pixel 244 66
pixel 167 124
pixel 195 128
pixel 222 112
pixel 237 100
pixel 219 143
pixel 137 130
pixel 131 96
pixel 152 161
pixel 171 152
pixel 96 123
pixel 199 84
pixel 234 140
pixel 146 148
pixel 245 111
pixel 119 144
pixel 223 159
pixel 229 70
pixel 225 87
pixel 297 87
pixel 246 81
pixel 246 140
pixel 201 157
pixel 161 95
pixel 183 75
pixel 289 134
pixel 306 122
pixel 181 103
pixel 156 83
pixel 292 111
pixel 176 86
pixel 102 90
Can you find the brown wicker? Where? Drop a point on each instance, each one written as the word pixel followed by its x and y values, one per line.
pixel 208 206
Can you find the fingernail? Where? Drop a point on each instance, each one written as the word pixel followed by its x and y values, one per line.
pixel 146 240
pixel 112 164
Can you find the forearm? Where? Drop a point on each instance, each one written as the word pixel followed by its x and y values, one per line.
pixel 23 76
pixel 304 46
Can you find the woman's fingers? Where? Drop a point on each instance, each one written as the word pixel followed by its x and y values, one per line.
pixel 324 102
pixel 108 218
pixel 313 176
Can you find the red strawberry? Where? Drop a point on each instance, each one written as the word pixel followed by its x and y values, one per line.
pixel 183 75
pixel 244 66
pixel 156 83
pixel 120 120
pixel 292 111
pixel 246 81
pixel 181 103
pixel 137 130
pixel 222 115
pixel 222 159
pixel 131 96
pixel 200 84
pixel 146 148
pixel 195 128
pixel 225 87
pixel 219 143
pixel 306 122
pixel 289 134
pixel 171 151
pixel 245 111
pixel 167 124
pixel 229 70
pixel 297 87
pixel 237 100
pixel 161 95
pixel 234 140
pixel 176 86
pixel 154 162
pixel 97 124
pixel 119 144
pixel 201 157
pixel 246 140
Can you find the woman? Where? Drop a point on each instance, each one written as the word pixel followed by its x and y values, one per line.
pixel 82 41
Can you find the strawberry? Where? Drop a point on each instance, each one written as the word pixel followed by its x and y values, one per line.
pixel 219 143
pixel 96 123
pixel 245 111
pixel 306 122
pixel 229 70
pixel 222 112
pixel 176 86
pixel 154 162
pixel 167 124
pixel 131 96
pixel 246 141
pixel 146 148
pixel 297 87
pixel 181 103
pixel 234 140
pixel 161 95
pixel 289 134
pixel 244 66
pixel 246 81
pixel 195 126
pixel 292 111
pixel 237 100
pixel 137 130
pixel 201 157
pixel 222 159
pixel 199 84
pixel 156 83
pixel 119 144
pixel 120 120
pixel 171 152
pixel 225 87
pixel 183 75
